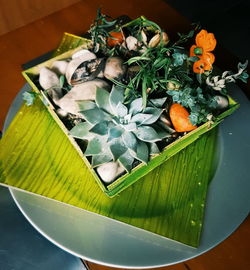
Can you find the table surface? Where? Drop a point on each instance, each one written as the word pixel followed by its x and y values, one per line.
pixel 28 42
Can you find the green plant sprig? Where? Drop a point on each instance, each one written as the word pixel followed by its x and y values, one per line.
pixel 99 31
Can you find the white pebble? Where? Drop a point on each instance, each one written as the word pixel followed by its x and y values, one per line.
pixel 132 43
pixel 48 78
pixel 109 171
pixel 84 54
pixel 59 67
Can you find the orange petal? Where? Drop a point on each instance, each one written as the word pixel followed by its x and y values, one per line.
pixel 198 66
pixel 201 38
pixel 179 117
pixel 208 59
pixel 205 40
pixel 115 38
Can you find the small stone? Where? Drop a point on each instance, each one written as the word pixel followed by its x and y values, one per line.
pixel 132 43
pixel 59 67
pixel 61 113
pixel 109 171
pixel 48 78
pixel 84 54
pixel 114 68
pixel 83 91
pixel 222 102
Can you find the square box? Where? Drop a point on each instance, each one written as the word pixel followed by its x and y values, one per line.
pixel 72 42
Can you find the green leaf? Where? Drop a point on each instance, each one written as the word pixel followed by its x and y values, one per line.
pixel 127 118
pixel 193 58
pixel 94 116
pixel 179 58
pixel 162 132
pixel 154 113
pixel 116 97
pixel 101 159
pixel 130 140
pixel 153 149
pixel 147 134
pixel 199 78
pixel 194 118
pixel 136 59
pixel 117 148
pixel 136 106
pixel 140 118
pixel 157 102
pixel 159 63
pixel 81 131
pixel 130 127
pixel 29 97
pixel 144 93
pixel 142 152
pixel 85 105
pixel 121 110
pixel 115 132
pixel 102 99
pixel 126 160
pixel 96 146
pixel 61 81
pixel 243 77
pixel 100 128
pixel 160 125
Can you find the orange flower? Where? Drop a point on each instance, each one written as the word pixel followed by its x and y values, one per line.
pixel 115 38
pixel 205 43
pixel 179 117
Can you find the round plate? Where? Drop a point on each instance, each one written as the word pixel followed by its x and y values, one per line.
pixel 112 243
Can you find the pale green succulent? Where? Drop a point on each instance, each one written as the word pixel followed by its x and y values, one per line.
pixel 116 131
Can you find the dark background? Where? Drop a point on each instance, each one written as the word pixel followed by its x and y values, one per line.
pixel 229 20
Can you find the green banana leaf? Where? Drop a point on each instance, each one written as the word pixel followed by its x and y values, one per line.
pixel 37 156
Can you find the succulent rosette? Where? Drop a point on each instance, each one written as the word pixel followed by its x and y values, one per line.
pixel 118 132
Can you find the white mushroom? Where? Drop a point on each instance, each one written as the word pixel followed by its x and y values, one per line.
pixel 109 171
pixel 48 78
pixel 83 91
pixel 114 68
pixel 59 67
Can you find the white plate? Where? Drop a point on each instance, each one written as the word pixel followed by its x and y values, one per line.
pixel 112 243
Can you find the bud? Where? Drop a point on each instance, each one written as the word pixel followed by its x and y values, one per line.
pixel 173 86
pixel 198 51
pixel 157 39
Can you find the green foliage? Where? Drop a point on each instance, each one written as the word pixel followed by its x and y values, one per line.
pixel 63 84
pixel 200 103
pixel 179 58
pixel 152 75
pixel 29 97
pixel 116 131
pixel 243 76
pixel 99 32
